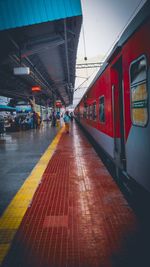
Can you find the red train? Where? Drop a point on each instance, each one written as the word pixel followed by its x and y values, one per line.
pixel 115 110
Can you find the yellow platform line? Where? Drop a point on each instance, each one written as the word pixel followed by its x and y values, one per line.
pixel 14 213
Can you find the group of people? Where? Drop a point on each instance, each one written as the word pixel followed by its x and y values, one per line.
pixel 56 116
pixel 30 121
pixel 25 122
pixel 20 122
pixel 55 119
pixel 33 121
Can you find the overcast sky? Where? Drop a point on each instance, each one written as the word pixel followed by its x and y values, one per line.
pixel 103 21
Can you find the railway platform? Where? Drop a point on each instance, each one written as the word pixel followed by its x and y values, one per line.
pixel 70 213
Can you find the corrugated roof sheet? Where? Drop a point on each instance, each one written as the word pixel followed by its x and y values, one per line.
pixel 18 13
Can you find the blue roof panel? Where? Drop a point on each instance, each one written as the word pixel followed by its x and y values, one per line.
pixel 29 12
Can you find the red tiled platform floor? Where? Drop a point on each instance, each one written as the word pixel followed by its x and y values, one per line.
pixel 78 216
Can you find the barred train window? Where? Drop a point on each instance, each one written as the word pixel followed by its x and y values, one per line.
pixel 139 94
pixel 84 113
pixel 94 111
pixel 102 109
pixel 90 112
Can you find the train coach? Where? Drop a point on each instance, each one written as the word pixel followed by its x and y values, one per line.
pixel 115 109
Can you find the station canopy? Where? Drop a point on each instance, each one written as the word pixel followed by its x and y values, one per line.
pixel 40 36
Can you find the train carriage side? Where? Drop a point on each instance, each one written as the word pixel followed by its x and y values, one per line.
pixel 96 113
pixel 116 108
pixel 136 80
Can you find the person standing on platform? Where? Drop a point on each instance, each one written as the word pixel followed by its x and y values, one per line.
pixel 58 119
pixel 67 121
pixel 53 119
pixel 35 120
pixel 71 116
pixel 2 125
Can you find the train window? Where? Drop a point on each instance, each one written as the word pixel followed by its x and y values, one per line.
pixel 102 109
pixel 84 113
pixel 94 111
pixel 90 112
pixel 139 94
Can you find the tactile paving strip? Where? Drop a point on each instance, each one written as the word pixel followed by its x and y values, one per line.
pixel 55 221
pixel 13 215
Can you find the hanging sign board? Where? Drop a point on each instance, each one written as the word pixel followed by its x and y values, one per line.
pixel 58 104
pixel 21 71
pixel 36 88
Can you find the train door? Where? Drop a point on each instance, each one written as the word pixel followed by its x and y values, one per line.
pixel 118 115
pixel 138 139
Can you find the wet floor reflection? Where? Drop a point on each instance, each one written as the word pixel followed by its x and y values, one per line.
pixel 78 216
pixel 19 152
pixel 105 219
